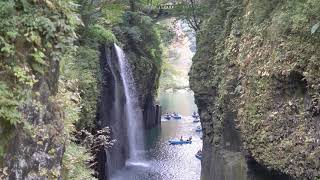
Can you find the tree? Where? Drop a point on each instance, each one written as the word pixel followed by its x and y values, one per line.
pixel 193 11
pixel 90 10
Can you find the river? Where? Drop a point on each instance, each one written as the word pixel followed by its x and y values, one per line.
pixel 164 161
pixel 161 160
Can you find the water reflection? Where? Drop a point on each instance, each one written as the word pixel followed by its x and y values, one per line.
pixel 180 101
pixel 168 162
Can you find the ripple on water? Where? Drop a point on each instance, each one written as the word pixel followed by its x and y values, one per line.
pixel 164 161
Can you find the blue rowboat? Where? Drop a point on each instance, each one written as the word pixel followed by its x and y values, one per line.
pixel 174 142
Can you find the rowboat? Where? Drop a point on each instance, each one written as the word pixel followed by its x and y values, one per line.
pixel 175 142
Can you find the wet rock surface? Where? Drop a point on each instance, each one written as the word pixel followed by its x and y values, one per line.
pixel 255 90
pixel 112 99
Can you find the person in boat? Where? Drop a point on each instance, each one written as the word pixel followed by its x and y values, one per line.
pixel 181 138
pixel 190 138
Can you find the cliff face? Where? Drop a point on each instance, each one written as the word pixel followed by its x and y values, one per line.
pixel 141 43
pixel 36 149
pixel 256 81
pixel 143 55
pixel 32 139
pixel 49 87
pixel 111 113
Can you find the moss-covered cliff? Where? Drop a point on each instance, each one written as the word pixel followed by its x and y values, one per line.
pixel 51 81
pixel 141 41
pixel 256 80
pixel 34 38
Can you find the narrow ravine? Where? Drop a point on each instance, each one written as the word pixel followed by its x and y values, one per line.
pixel 162 160
pixel 160 89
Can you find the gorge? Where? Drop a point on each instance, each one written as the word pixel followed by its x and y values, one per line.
pixel 84 86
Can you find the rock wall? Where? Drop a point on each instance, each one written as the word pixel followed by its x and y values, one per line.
pixel 33 39
pixel 49 87
pixel 111 114
pixel 37 152
pixel 146 71
pixel 141 43
pixel 256 82
pixel 146 75
pixel 112 96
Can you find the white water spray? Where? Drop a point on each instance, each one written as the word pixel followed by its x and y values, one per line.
pixel 132 110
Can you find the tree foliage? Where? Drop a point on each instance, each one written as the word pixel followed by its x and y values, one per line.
pixel 193 11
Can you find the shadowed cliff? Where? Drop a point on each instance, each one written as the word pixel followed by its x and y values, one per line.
pixel 256 81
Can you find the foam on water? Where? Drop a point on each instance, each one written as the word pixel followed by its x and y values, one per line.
pixel 135 163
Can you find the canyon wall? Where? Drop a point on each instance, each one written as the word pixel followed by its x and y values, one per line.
pixel 255 76
pixel 143 53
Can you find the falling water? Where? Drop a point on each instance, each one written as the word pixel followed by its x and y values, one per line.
pixel 132 110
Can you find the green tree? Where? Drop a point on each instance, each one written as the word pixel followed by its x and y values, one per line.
pixel 193 11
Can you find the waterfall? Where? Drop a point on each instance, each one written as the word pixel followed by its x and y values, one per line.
pixel 132 109
pixel 121 111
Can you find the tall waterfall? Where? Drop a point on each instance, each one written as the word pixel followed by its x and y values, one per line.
pixel 132 109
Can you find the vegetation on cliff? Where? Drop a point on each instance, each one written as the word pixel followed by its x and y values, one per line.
pixel 48 85
pixel 260 59
pixel 50 80
pixel 35 38
pixel 141 41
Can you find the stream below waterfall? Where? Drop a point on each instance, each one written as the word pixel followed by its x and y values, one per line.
pixel 164 161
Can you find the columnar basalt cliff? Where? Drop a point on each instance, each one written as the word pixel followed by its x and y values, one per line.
pixel 144 53
pixel 256 81
pixel 111 112
pixel 146 71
